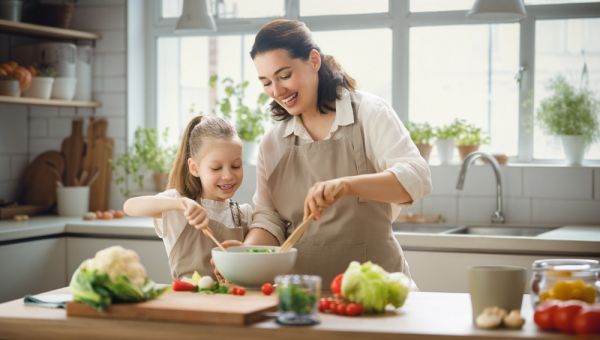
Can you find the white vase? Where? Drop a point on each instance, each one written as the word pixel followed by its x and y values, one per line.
pixel 445 149
pixel 249 152
pixel 574 149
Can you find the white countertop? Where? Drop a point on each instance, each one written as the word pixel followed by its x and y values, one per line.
pixel 568 240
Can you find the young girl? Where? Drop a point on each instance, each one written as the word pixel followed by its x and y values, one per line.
pixel 207 172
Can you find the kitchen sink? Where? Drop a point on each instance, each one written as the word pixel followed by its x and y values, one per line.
pixel 419 228
pixel 505 230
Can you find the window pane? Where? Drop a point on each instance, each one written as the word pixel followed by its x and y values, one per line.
pixel 467 72
pixel 336 7
pixel 251 8
pixel 171 8
pixel 365 54
pixel 561 47
pixel 440 5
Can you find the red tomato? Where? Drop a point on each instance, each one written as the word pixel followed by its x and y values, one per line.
pixel 543 316
pixel 238 291
pixel 323 305
pixel 267 289
pixel 565 315
pixel 336 284
pixel 182 286
pixel 340 308
pixel 354 309
pixel 587 321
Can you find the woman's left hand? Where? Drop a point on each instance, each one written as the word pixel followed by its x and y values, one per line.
pixel 324 194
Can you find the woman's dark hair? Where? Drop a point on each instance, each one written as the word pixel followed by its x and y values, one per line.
pixel 294 37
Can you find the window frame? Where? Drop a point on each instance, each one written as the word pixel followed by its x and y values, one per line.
pixel 399 19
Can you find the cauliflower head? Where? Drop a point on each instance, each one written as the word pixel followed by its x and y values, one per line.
pixel 115 261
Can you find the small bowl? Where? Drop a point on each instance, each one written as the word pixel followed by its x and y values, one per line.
pixel 253 269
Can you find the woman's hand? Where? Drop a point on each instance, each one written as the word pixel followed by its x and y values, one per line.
pixel 226 244
pixel 324 194
pixel 194 213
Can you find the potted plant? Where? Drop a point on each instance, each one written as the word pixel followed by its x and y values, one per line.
pixel 469 139
pixel 41 84
pixel 445 140
pixel 249 122
pixel 147 154
pixel 571 114
pixel 421 134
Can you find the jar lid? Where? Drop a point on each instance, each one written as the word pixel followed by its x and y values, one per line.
pixel 566 265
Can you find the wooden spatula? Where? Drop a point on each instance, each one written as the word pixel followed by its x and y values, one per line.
pixel 298 232
pixel 212 237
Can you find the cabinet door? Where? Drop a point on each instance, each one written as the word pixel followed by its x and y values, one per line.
pixel 447 272
pixel 152 254
pixel 32 267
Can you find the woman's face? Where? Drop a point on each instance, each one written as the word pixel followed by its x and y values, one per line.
pixel 219 167
pixel 291 82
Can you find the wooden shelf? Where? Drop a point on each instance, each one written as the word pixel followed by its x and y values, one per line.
pixel 44 31
pixel 48 102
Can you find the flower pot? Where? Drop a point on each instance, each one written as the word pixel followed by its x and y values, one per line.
pixel 250 151
pixel 445 149
pixel 574 149
pixel 465 150
pixel 41 87
pixel 10 88
pixel 424 150
pixel 160 181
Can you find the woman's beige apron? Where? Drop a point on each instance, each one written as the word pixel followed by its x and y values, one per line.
pixel 353 229
pixel 192 250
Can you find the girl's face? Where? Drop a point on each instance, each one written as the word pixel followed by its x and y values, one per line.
pixel 292 83
pixel 219 167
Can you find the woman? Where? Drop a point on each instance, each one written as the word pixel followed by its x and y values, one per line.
pixel 329 135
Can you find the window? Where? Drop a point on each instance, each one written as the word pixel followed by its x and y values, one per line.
pixel 562 47
pixel 431 68
pixel 469 70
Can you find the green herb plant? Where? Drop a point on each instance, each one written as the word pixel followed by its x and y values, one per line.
pixel 249 122
pixel 449 131
pixel 569 111
pixel 471 135
pixel 147 154
pixel 420 133
pixel 296 299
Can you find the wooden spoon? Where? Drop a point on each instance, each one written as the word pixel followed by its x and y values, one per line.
pixel 212 237
pixel 298 232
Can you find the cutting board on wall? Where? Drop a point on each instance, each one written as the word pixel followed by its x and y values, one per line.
pixel 73 148
pixel 96 163
pixel 40 177
pixel 222 309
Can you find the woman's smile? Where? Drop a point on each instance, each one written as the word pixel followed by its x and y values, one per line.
pixel 290 100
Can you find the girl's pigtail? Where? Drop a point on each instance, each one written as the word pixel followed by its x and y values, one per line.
pixel 180 177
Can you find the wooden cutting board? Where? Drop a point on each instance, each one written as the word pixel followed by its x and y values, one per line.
pixel 96 163
pixel 188 307
pixel 72 148
pixel 39 179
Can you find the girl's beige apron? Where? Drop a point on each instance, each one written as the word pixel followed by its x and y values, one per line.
pixel 192 250
pixel 353 229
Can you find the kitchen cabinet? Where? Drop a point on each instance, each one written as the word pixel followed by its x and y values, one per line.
pixel 52 33
pixel 447 271
pixel 152 254
pixel 32 267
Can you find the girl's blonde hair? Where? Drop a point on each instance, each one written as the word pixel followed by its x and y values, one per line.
pixel 196 132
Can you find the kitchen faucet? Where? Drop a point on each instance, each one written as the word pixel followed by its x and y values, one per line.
pixel 497 216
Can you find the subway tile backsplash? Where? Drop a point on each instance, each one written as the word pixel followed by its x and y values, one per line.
pixel 559 183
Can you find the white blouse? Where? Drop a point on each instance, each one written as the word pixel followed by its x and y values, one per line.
pixel 172 223
pixel 387 143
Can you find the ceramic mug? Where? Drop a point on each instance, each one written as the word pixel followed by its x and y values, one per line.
pixel 501 286
pixel 73 201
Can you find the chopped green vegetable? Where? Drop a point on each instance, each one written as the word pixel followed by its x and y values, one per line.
pixel 295 299
pixel 217 288
pixel 114 275
pixel 259 250
pixel 373 287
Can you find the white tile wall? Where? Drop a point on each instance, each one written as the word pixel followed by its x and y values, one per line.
pixel 597 184
pixel 566 211
pixel 445 205
pixel 38 127
pixel 443 179
pixel 553 182
pixel 4 168
pixel 112 41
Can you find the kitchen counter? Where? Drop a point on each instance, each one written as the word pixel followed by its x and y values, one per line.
pixel 568 240
pixel 425 315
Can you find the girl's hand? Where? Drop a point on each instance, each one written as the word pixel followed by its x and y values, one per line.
pixel 324 194
pixel 226 244
pixel 194 213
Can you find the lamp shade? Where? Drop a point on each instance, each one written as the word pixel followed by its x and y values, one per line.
pixel 506 10
pixel 195 17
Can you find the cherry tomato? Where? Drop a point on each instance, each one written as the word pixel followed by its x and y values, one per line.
pixel 564 316
pixel 267 288
pixel 238 291
pixel 340 308
pixel 336 285
pixel 543 316
pixel 182 286
pixel 323 305
pixel 587 321
pixel 354 309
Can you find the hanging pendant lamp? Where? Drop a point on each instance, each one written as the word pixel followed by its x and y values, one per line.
pixel 195 17
pixel 504 10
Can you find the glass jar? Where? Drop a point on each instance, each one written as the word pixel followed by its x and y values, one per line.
pixel 565 279
pixel 298 299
